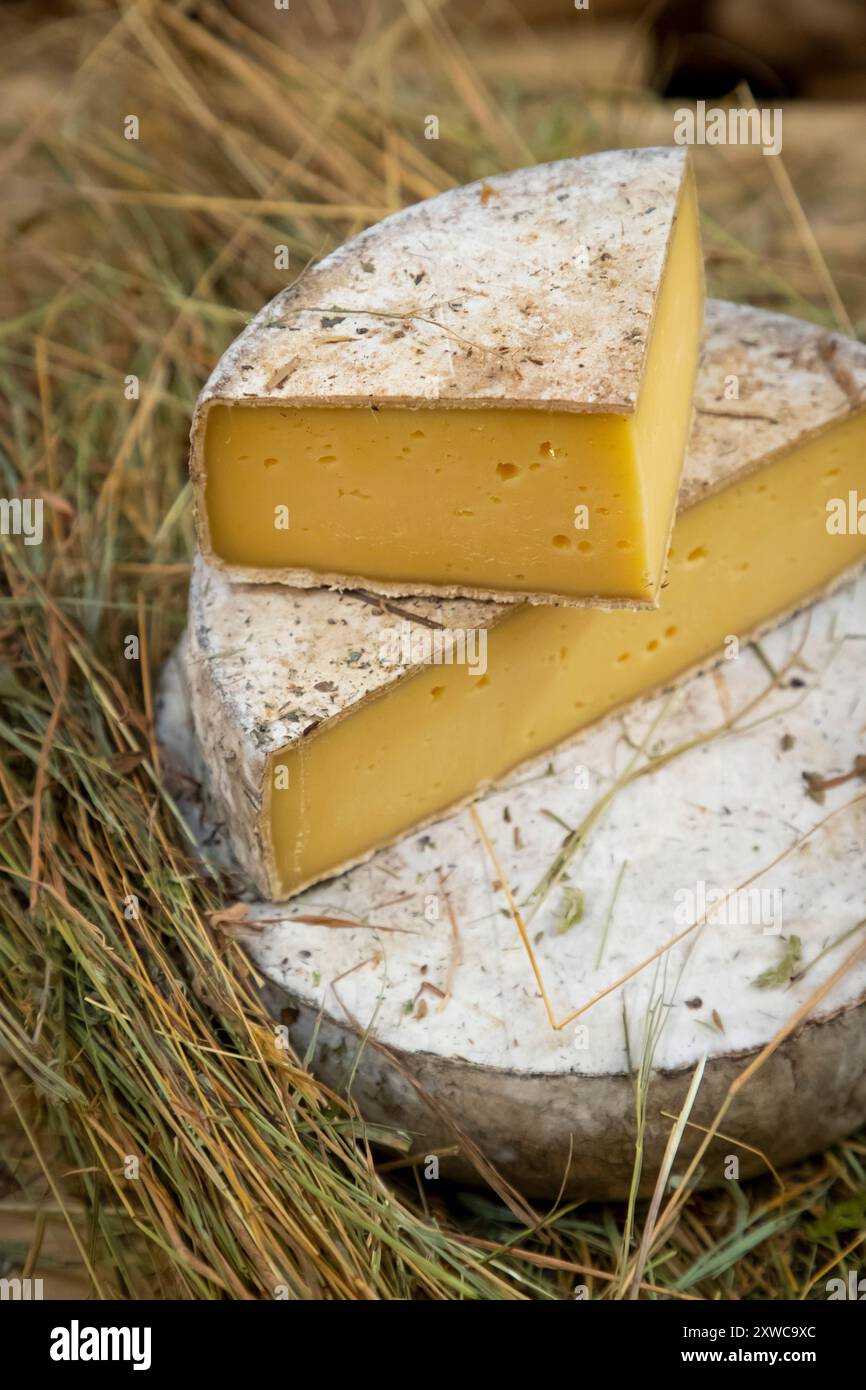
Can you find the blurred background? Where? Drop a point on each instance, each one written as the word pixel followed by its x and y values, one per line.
pixel 258 125
pixel 328 98
pixel 691 48
pixel 698 48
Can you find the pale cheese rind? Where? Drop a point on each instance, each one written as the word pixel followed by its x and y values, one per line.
pixel 791 379
pixel 534 288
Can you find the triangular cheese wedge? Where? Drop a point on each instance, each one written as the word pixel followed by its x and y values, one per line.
pixel 485 395
pixel 331 724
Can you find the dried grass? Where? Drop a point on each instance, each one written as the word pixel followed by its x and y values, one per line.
pixel 132 1031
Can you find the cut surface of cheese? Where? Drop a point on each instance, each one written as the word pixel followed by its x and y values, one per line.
pixel 326 729
pixel 486 395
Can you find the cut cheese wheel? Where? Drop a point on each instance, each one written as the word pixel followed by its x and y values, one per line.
pixel 486 395
pixel 330 724
pixel 428 1007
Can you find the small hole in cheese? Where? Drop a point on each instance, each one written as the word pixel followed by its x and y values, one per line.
pixel 437 692
pixel 561 542
pixel 507 470
pixel 699 553
pixel 270 463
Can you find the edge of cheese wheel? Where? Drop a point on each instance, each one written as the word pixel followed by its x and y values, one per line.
pixel 493 1078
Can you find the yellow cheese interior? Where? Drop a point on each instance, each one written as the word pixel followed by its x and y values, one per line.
pixel 744 555
pixel 476 498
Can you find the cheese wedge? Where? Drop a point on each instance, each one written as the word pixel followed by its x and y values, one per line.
pixel 486 395
pixel 326 731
